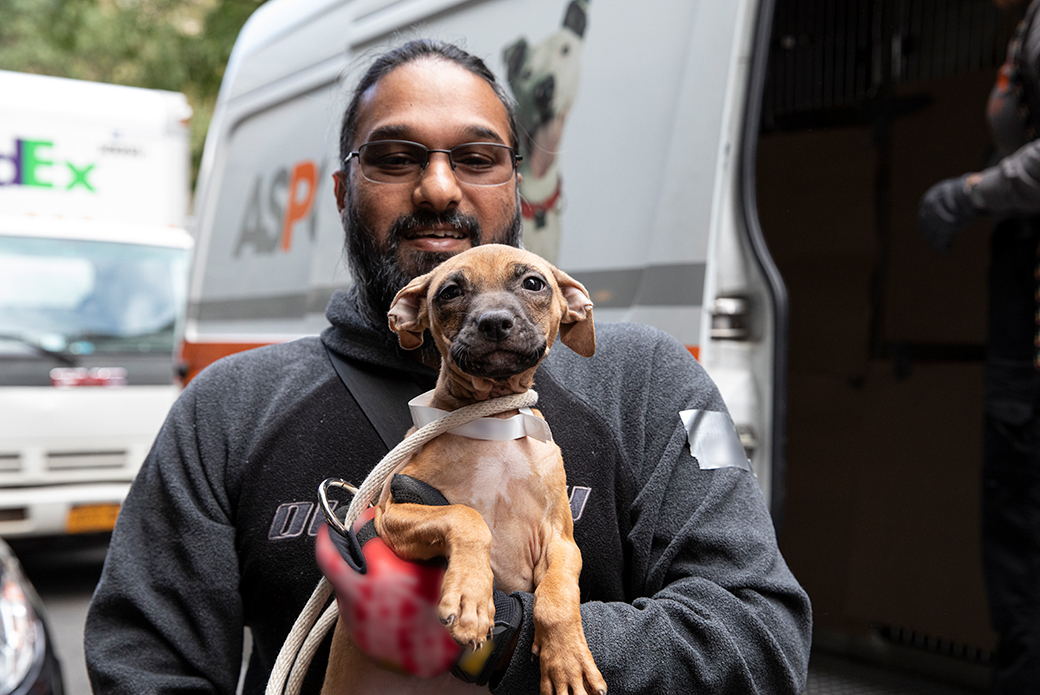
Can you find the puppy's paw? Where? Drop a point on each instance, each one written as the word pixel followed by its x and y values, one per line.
pixel 467 604
pixel 566 663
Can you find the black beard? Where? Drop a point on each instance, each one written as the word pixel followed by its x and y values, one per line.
pixel 379 272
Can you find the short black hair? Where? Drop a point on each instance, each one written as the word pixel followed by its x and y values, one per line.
pixel 406 53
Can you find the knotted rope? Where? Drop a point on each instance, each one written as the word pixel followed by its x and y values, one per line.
pixel 312 625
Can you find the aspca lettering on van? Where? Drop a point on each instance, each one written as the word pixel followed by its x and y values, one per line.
pixel 32 163
pixel 277 203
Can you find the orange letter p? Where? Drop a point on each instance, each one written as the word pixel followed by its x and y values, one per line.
pixel 296 210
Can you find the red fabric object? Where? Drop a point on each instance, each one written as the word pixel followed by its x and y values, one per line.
pixel 391 610
pixel 529 209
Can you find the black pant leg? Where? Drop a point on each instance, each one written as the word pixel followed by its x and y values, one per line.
pixel 1011 462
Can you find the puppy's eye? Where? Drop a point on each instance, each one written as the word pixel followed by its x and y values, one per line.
pixel 449 292
pixel 533 283
pixel 565 49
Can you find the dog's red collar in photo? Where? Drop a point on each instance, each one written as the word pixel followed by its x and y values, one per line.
pixel 531 210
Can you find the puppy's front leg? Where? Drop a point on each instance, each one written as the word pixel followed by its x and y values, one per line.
pixel 559 640
pixel 459 533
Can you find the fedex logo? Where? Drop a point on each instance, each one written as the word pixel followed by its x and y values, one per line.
pixel 32 164
pixel 277 204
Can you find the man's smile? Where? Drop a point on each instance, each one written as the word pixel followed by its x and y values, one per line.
pixel 436 236
pixel 439 231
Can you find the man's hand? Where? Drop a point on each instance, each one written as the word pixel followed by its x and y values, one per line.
pixel 389 605
pixel 945 209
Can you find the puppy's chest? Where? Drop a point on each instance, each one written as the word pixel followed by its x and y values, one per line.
pixel 513 484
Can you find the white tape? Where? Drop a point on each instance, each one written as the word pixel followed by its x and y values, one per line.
pixel 526 424
pixel 713 439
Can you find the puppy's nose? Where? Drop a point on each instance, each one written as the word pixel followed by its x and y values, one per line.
pixel 495 325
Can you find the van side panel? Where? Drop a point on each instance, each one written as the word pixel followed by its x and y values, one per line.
pixel 636 185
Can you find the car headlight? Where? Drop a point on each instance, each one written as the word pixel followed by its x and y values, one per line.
pixel 21 632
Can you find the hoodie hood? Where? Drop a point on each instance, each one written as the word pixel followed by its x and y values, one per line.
pixel 352 336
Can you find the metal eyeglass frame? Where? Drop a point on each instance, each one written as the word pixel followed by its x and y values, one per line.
pixel 356 154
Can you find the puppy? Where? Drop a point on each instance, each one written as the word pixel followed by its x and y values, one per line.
pixel 494 312
pixel 544 80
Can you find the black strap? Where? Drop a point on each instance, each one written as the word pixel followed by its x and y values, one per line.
pixel 384 400
pixel 350 545
pixel 405 489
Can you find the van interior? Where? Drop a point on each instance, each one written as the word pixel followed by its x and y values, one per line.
pixel 867 104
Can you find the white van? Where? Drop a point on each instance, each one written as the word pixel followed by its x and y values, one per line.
pixel 94 262
pixel 642 204
pixel 658 133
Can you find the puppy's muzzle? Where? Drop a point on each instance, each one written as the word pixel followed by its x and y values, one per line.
pixel 543 97
pixel 496 344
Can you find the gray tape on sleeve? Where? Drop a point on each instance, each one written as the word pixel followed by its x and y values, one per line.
pixel 713 440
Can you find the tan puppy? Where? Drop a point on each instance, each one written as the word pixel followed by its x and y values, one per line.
pixel 494 312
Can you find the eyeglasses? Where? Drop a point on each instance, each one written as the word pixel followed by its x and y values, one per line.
pixel 401 161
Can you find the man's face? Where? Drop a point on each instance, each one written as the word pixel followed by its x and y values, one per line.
pixel 414 226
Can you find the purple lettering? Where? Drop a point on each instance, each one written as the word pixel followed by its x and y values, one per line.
pixel 16 161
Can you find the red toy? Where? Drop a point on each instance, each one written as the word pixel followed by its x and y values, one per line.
pixel 390 608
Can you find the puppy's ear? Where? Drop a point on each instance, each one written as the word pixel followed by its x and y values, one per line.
pixel 576 16
pixel 576 328
pixel 514 56
pixel 408 316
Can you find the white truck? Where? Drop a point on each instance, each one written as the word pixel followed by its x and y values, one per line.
pixel 94 260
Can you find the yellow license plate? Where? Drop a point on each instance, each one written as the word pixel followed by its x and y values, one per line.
pixel 92 518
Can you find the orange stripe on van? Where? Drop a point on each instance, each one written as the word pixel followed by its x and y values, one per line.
pixel 197 356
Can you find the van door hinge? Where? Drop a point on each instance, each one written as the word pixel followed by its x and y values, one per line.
pixel 729 318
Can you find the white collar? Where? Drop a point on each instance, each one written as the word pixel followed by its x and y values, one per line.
pixel 526 424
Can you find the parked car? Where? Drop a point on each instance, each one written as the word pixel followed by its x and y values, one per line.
pixel 28 665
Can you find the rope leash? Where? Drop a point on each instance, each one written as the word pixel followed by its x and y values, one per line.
pixel 313 623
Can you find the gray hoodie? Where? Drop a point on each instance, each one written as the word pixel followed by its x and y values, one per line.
pixel 683 587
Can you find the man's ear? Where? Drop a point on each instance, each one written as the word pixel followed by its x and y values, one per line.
pixel 339 183
pixel 576 328
pixel 408 316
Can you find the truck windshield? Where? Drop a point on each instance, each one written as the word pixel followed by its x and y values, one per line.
pixel 81 297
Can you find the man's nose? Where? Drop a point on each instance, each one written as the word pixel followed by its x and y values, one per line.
pixel 437 187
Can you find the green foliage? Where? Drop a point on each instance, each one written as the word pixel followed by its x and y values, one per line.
pixel 178 45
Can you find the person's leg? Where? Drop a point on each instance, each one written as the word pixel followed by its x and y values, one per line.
pixel 1011 463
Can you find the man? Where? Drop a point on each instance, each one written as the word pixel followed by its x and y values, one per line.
pixel 683 586
pixel 1008 192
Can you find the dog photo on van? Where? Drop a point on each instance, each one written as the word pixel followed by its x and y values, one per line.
pixel 544 79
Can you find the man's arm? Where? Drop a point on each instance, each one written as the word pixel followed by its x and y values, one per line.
pixel 166 615
pixel 1012 186
pixel 714 608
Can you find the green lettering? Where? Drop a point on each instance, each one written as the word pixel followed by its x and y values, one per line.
pixel 80 176
pixel 30 161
